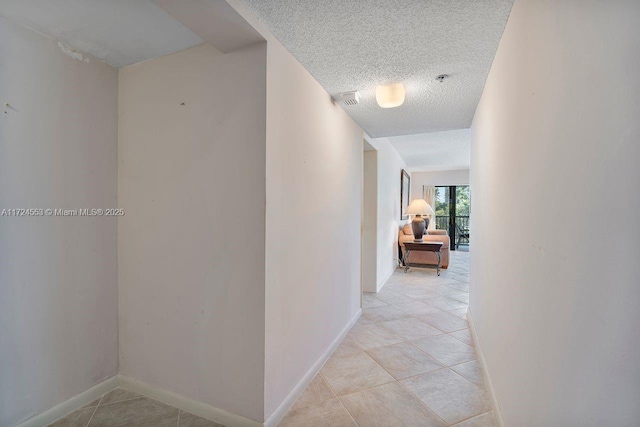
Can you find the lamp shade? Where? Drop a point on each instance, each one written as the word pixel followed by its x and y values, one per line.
pixel 419 207
pixel 389 96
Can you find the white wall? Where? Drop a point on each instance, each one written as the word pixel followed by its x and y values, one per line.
pixel 437 178
pixel 191 246
pixel 554 293
pixel 314 197
pixel 390 165
pixel 58 275
pixel 370 221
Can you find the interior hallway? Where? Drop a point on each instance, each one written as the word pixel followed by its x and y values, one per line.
pixel 409 361
pixel 187 139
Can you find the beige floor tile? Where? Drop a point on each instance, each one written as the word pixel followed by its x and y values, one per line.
pixel 140 412
pixel 462 278
pixel 446 350
pixel 93 404
pixel 372 335
pixel 393 297
pixel 404 360
pixel 444 321
pixel 326 414
pixel 420 292
pixel 347 373
pixel 316 392
pixel 417 307
pixel 389 405
pixel 407 285
pixel 410 328
pixel 346 348
pixel 462 297
pixel 444 303
pixel 118 395
pixel 418 276
pixel 381 314
pixel 460 285
pixel 449 395
pixel 370 301
pixel 442 288
pixel 484 420
pixel 460 312
pixel 450 291
pixel 464 336
pixel 471 371
pixel 396 283
pixel 79 418
pixel 190 420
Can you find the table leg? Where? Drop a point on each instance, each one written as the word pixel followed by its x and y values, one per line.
pixel 405 259
pixel 439 260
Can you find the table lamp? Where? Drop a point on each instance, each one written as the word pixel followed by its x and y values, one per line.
pixel 419 207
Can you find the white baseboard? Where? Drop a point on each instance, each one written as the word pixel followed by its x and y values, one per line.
pixel 383 282
pixel 186 404
pixel 68 406
pixel 483 365
pixel 291 398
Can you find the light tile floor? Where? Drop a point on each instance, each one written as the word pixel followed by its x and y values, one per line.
pixel 120 408
pixel 408 361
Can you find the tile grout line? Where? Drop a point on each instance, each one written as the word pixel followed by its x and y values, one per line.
pixel 390 382
pixel 364 389
pixel 424 373
pixel 419 299
pixel 335 396
pixel 94 411
pixel 126 400
pixel 367 388
pixel 471 417
pixel 178 422
pixel 423 402
pixel 437 360
pixel 340 400
pixel 415 317
pixel 411 342
pixel 328 385
pixel 425 352
pixel 348 412
pixel 464 378
pixel 333 393
pixel 454 372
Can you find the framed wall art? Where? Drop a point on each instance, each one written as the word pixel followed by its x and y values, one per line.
pixel 405 182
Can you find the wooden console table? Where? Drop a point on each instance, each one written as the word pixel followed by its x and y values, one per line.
pixel 421 246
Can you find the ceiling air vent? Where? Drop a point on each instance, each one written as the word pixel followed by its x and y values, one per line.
pixel 350 98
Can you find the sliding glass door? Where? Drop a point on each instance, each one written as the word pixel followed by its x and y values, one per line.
pixel 452 206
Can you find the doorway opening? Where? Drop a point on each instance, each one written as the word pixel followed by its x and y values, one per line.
pixel 453 207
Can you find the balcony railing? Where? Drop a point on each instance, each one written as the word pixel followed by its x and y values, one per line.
pixel 442 223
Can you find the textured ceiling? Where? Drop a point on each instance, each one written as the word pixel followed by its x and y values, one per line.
pixel 435 151
pixel 358 44
pixel 119 32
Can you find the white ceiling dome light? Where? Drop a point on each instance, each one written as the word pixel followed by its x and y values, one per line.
pixel 390 96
